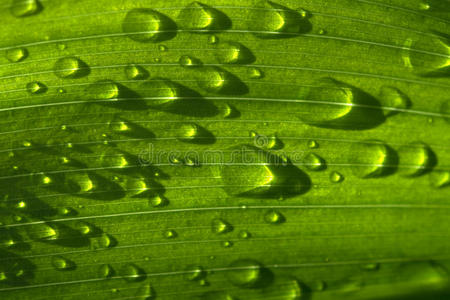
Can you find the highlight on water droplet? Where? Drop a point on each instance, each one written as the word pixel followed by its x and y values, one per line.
pixel 246 273
pixel 148 25
pixel 199 17
pixel 188 61
pixel 314 162
pixel 416 159
pixel 393 100
pixel 170 234
pixel 255 73
pixel 36 87
pixel 106 271
pixel 132 273
pixel 70 67
pixel 233 53
pixel 220 226
pixel 23 8
pixel 274 217
pixel 336 177
pixel 136 72
pixel 62 264
pixel 369 159
pixel 16 54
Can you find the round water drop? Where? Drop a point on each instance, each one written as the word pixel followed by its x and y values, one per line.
pixel 415 159
pixel 145 292
pixel 106 271
pixel 188 132
pixel 43 232
pixel 170 234
pixel 162 48
pixel 245 273
pixel 84 228
pixel 429 56
pixel 226 244
pixel 318 286
pixel 158 201
pixel 371 159
pixel 440 179
pixel 160 92
pixel 23 8
pixel 148 25
pixel 314 162
pixel 244 234
pixel 271 20
pixel 273 217
pixel 16 54
pixel 136 72
pixel 255 73
pixel 233 53
pixel 370 266
pixel 220 226
pixel 132 273
pixel 336 177
pixel 36 87
pixel 393 100
pixel 62 264
pixel 70 67
pixel 103 90
pixel 195 273
pixel 213 39
pixel 189 61
pixel 312 144
pixel 284 288
pixel 199 17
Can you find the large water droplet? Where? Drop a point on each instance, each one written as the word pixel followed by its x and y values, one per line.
pixel 103 90
pixel 372 159
pixel 220 226
pixel 199 17
pixel 234 53
pixel 132 273
pixel 160 92
pixel 70 67
pixel 393 100
pixel 271 20
pixel 135 72
pixel 148 25
pixel 314 162
pixel 245 273
pixel 106 271
pixel 36 87
pixel 16 54
pixel 23 8
pixel 440 179
pixel 416 159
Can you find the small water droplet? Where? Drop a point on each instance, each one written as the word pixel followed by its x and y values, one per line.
pixel 244 234
pixel 255 73
pixel 199 17
pixel 273 217
pixel 226 244
pixel 103 90
pixel 424 6
pixel 145 292
pixel 16 54
pixel 195 273
pixel 162 48
pixel 244 273
pixel 148 25
pixel 84 228
pixel 136 72
pixel 220 226
pixel 336 177
pixel 188 132
pixel 106 271
pixel 233 53
pixel 23 8
pixel 62 264
pixel 158 201
pixel 36 87
pixel 66 211
pixel 70 67
pixel 189 61
pixel 322 31
pixel 213 39
pixel 312 144
pixel 62 46
pixel 170 234
pixel 132 273
pixel 318 286
pixel 314 162
pixel 393 100
pixel 415 159
pixel 284 288
pixel 440 179
pixel 371 266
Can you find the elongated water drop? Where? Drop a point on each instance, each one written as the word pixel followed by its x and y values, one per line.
pixel 199 17
pixel 23 8
pixel 103 90
pixel 16 54
pixel 36 87
pixel 136 72
pixel 440 179
pixel 42 231
pixel 148 25
pixel 415 159
pixel 233 53
pixel 393 100
pixel 70 67
pixel 273 217
pixel 145 292
pixel 220 226
pixel 245 273
pixel 132 273
pixel 62 264
pixel 371 159
pixel 314 162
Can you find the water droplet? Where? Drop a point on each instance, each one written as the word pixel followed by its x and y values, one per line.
pixel 16 54
pixel 244 234
pixel 66 211
pixel 199 17
pixel 61 91
pixel 220 226
pixel 415 159
pixel 255 73
pixel 271 20
pixel 23 8
pixel 84 228
pixel 162 48
pixel 160 92
pixel 371 266
pixel 189 61
pixel 103 241
pixel 371 159
pixel 318 286
pixel 284 288
pixel 312 144
pixel 321 31
pixel 226 244
pixel 62 264
pixel 145 292
pixel 132 273
pixel 148 25
pixel 429 56
pixel 158 201
pixel 424 6
pixel 70 67
pixel 188 132
pixel 244 273
pixel 228 111
pixel 42 231
pixel 273 217
pixel 195 273
pixel 213 39
pixel 36 87
pixel 135 72
pixel 267 142
pixel 103 90
pixel 62 46
pixel 233 53
pixel 393 100
pixel 336 177
pixel 170 234
pixel 106 271
pixel 440 179
pixel 314 162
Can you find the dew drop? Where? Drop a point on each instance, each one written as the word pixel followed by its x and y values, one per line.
pixel 199 17
pixel 36 87
pixel 371 267
pixel 170 234
pixel 106 271
pixel 132 273
pixel 213 39
pixel 220 226
pixel 440 179
pixel 104 90
pixel 393 100
pixel 273 217
pixel 188 132
pixel 147 25
pixel 62 264
pixel 226 244
pixel 66 211
pixel 255 73
pixel 245 273
pixel 23 8
pixel 312 144
pixel 160 92
pixel 162 48
pixel 42 231
pixel 214 80
pixel 284 288
pixel 158 201
pixel 233 53
pixel 70 67
pixel 187 61
pixel 415 159
pixel 136 72
pixel 371 159
pixel 84 228
pixel 145 292
pixel 336 177
pixel 229 111
pixel 314 162
pixel 244 234
pixel 195 273
pixel 16 54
